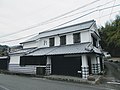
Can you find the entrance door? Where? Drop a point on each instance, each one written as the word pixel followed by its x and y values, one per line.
pixel 66 65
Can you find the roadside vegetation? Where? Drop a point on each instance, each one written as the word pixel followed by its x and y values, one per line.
pixel 110 37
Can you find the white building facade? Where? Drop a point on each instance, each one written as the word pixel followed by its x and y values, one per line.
pixel 73 50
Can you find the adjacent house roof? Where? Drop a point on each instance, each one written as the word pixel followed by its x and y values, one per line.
pixel 67 49
pixel 16 46
pixel 4 57
pixel 22 51
pixel 71 28
pixel 31 39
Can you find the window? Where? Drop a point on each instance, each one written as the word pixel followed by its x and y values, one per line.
pixel 51 41
pixel 94 41
pixel 76 37
pixel 45 42
pixel 63 40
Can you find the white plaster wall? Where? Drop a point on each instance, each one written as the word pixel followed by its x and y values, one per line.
pixel 43 42
pixel 84 61
pixel 86 37
pixel 30 44
pixel 57 40
pixel 69 38
pixel 39 43
pixel 14 59
pixel 94 28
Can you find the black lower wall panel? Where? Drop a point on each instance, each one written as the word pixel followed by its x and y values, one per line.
pixel 32 60
pixel 66 65
pixel 4 64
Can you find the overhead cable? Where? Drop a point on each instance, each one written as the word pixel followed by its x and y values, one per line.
pixel 87 14
pixel 42 23
pixel 73 19
pixel 83 11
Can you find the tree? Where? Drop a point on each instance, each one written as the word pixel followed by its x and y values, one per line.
pixel 110 35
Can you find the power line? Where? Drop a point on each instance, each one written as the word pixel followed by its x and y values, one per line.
pixel 107 14
pixel 18 38
pixel 112 8
pixel 37 33
pixel 73 10
pixel 70 20
pixel 83 11
pixel 109 7
pixel 42 23
pixel 99 12
pixel 87 14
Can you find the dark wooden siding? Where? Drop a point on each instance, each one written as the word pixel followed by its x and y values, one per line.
pixel 4 62
pixel 89 64
pixel 32 60
pixel 101 64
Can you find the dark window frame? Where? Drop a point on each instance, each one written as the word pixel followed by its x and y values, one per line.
pixel 94 41
pixel 51 41
pixel 63 40
pixel 76 38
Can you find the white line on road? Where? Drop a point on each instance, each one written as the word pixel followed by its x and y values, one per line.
pixel 113 82
pixel 4 88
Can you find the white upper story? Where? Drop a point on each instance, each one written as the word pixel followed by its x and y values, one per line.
pixel 78 33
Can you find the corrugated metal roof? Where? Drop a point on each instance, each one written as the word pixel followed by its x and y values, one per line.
pixel 67 49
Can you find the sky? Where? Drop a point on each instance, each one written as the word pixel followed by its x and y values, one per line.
pixel 22 19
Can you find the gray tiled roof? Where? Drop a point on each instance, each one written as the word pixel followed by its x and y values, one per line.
pixel 42 51
pixel 22 51
pixel 71 28
pixel 31 39
pixel 68 49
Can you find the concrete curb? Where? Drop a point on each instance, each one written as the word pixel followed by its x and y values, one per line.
pixel 71 80
pixel 74 79
pixel 57 77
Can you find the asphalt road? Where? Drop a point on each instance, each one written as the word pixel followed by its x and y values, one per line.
pixel 112 77
pixel 113 70
pixel 13 82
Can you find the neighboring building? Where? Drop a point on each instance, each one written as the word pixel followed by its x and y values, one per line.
pixel 73 50
pixel 4 62
pixel 30 43
pixel 15 48
pixel 15 53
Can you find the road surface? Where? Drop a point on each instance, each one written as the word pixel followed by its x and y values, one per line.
pixel 13 82
pixel 112 75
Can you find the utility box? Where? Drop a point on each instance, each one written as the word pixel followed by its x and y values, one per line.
pixel 40 70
